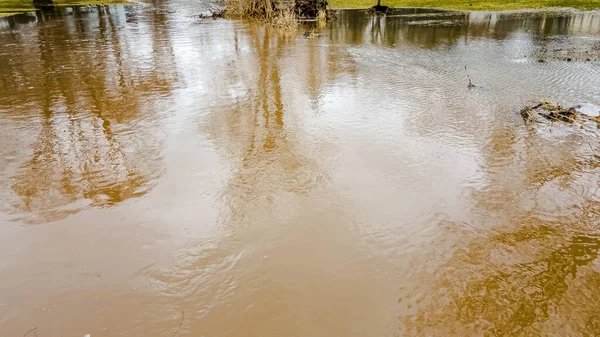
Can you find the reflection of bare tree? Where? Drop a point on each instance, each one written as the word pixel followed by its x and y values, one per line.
pixel 269 164
pixel 542 253
pixel 323 65
pixel 415 26
pixel 493 287
pixel 377 26
pixel 432 28
pixel 93 145
pixel 244 275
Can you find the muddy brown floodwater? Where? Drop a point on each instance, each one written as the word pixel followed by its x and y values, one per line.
pixel 162 175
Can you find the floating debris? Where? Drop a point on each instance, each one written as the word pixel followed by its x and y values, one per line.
pixel 470 85
pixel 310 33
pixel 434 23
pixel 580 113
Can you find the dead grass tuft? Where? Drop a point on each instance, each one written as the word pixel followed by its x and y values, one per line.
pixel 321 18
pixel 285 20
pixel 255 9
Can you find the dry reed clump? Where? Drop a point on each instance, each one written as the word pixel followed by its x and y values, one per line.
pixel 321 18
pixel 257 9
pixel 554 112
pixel 286 20
pixel 263 10
pixel 322 15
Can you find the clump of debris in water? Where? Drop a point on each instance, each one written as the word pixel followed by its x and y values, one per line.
pixel 583 117
pixel 580 118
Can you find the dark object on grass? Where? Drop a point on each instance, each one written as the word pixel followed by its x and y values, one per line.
pixel 42 3
pixel 379 9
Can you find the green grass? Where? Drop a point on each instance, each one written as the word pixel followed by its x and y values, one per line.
pixel 90 2
pixel 3 15
pixel 491 5
pixel 11 7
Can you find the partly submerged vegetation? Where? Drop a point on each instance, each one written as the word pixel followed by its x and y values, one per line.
pixel 263 10
pixel 492 5
pixel 281 13
pixel 585 118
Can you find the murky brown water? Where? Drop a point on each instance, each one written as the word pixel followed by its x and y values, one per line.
pixel 165 176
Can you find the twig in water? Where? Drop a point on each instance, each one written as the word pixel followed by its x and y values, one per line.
pixel 591 148
pixel 176 332
pixel 31 330
pixel 549 126
pixel 470 85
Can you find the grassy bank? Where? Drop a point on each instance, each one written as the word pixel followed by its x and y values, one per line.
pixel 8 7
pixel 5 14
pixel 494 5
pixel 91 2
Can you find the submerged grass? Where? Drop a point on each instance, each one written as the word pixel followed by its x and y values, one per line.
pixel 255 9
pixel 285 20
pixel 492 5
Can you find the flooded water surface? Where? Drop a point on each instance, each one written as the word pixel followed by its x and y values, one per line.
pixel 162 175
